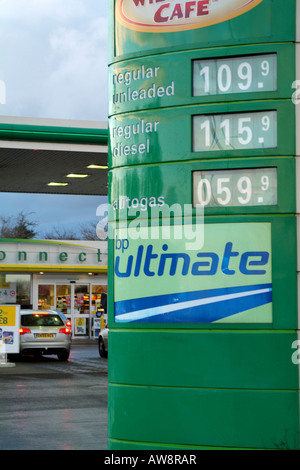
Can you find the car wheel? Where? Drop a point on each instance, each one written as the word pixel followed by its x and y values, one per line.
pixel 101 346
pixel 63 356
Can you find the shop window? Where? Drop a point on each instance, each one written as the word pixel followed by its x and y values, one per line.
pixel 45 296
pixel 99 299
pixel 82 299
pixel 15 289
pixel 63 299
pixel 99 308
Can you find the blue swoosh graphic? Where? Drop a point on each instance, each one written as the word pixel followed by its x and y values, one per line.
pixel 205 306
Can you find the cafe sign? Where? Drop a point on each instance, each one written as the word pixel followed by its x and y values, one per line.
pixel 168 15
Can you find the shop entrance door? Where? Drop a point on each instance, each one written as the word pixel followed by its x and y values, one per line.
pixel 81 311
pixel 73 300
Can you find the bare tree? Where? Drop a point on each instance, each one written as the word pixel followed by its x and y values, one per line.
pixel 22 226
pixel 88 232
pixel 19 226
pixel 60 233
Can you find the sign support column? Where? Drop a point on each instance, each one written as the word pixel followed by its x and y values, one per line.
pixel 202 271
pixel 9 333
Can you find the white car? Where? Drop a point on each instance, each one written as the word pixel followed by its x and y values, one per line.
pixel 103 342
pixel 44 332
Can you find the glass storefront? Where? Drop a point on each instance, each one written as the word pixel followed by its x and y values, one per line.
pixel 83 302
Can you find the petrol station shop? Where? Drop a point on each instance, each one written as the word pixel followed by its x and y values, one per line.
pixel 63 275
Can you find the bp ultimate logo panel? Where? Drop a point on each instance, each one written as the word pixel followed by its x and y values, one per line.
pixel 227 278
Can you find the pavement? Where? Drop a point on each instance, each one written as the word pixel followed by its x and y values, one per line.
pixel 51 405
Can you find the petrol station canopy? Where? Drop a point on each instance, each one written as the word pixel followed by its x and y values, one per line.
pixel 53 156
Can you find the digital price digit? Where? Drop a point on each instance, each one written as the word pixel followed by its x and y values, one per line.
pixel 235 75
pixel 237 131
pixel 242 187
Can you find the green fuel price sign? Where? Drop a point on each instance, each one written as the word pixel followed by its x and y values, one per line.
pixel 235 75
pixel 202 226
pixel 235 187
pixel 252 130
pixel 141 27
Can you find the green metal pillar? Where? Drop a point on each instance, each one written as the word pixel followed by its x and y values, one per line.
pixel 202 267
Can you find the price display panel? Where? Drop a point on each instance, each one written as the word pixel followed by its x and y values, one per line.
pixel 235 187
pixel 236 131
pixel 235 75
pixel 202 76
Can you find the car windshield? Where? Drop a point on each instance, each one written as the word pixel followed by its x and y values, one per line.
pixel 41 319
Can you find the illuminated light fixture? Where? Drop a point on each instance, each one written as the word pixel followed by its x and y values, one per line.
pixel 76 175
pixel 98 167
pixel 57 184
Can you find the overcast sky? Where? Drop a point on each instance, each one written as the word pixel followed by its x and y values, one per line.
pixel 53 58
pixel 53 62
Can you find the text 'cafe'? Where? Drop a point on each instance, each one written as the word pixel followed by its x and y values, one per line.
pixel 62 275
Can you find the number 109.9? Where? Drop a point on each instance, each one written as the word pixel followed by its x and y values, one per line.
pixel 235 75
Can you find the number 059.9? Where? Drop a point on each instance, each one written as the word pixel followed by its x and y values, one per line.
pixel 248 187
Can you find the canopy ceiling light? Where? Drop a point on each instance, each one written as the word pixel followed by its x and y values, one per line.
pixel 76 175
pixel 57 184
pixel 98 167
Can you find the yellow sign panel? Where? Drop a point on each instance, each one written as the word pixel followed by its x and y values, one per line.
pixel 80 326
pixel 4 285
pixel 7 316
